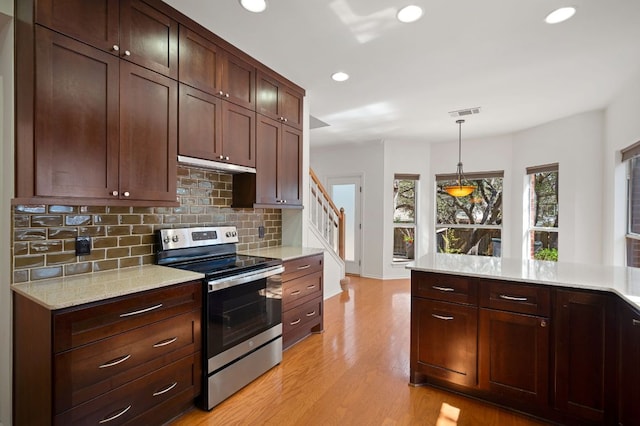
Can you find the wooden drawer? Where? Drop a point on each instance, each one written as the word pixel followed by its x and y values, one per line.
pixel 515 297
pixel 303 266
pixel 138 396
pixel 301 289
pixel 88 371
pixel 88 323
pixel 449 288
pixel 298 317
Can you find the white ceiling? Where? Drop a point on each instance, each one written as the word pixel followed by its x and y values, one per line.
pixel 495 54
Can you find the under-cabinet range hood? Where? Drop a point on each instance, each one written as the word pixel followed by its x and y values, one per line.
pixel 218 166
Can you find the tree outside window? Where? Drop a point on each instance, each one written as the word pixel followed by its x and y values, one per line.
pixel 404 217
pixel 543 214
pixel 472 224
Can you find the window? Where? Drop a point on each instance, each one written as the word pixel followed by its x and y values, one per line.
pixel 543 212
pixel 404 217
pixel 472 224
pixel 632 156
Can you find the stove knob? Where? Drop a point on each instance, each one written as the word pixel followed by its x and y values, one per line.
pixel 235 233
pixel 166 240
pixel 174 238
pixel 228 234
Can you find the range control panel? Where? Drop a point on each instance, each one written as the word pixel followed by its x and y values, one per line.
pixel 197 237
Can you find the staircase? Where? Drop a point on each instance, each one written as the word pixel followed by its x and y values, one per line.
pixel 327 223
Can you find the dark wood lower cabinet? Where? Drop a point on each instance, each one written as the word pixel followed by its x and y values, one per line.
pixel 585 356
pixel 629 371
pixel 552 352
pixel 444 344
pixel 514 356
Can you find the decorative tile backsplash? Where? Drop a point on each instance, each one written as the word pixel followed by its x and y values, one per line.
pixel 43 243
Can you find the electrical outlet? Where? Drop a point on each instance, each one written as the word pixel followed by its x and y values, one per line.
pixel 260 231
pixel 83 246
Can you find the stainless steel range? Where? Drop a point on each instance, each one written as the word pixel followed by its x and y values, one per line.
pixel 242 315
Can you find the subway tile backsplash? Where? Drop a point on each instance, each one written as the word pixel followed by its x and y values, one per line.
pixel 43 243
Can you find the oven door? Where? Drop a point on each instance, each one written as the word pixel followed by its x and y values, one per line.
pixel 239 308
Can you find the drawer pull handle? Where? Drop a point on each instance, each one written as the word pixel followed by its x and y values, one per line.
pixel 441 317
pixel 309 287
pixel 435 287
pixel 141 311
pixel 513 298
pixel 310 314
pixel 295 322
pixel 165 342
pixel 115 416
pixel 115 361
pixel 635 322
pixel 295 293
pixel 165 390
pixel 303 267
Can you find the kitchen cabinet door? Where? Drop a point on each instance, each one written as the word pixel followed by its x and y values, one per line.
pixel 290 167
pixel 148 134
pixel 443 342
pixel 585 356
pixel 200 62
pixel 278 101
pixel 239 135
pixel 514 356
pixel 76 141
pixel 239 81
pixel 200 124
pixel 629 407
pixel 268 135
pixel 94 22
pixel 148 38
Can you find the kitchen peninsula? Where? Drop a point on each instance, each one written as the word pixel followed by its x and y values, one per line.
pixel 556 340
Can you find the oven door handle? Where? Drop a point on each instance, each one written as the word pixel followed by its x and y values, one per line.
pixel 222 283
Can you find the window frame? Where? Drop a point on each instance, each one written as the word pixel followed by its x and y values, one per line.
pixel 411 225
pixel 439 227
pixel 629 156
pixel 532 228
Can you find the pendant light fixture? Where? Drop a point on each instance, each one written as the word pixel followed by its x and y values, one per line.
pixel 462 187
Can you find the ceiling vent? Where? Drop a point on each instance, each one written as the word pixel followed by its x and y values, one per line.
pixel 465 112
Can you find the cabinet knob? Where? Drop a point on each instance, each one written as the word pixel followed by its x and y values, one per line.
pixel 286 119
pixel 114 193
pixel 226 95
pixel 221 157
pixel 126 193
pixel 127 53
pixel 543 323
pixel 221 93
pixel 226 158
pixel 115 48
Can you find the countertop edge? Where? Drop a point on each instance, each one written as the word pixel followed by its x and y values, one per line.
pixel 36 292
pixel 284 253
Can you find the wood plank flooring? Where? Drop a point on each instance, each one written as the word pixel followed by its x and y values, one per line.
pixel 355 373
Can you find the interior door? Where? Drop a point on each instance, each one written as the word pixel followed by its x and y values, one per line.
pixel 346 192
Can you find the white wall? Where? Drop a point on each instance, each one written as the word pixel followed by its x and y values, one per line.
pixel 6 193
pixel 367 160
pixel 622 128
pixel 576 144
pixel 412 158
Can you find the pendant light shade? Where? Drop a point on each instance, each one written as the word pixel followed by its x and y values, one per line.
pixel 462 187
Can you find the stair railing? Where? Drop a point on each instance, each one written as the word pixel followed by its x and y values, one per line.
pixel 325 216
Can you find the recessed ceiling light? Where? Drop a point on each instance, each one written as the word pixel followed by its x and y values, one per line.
pixel 340 76
pixel 409 13
pixel 560 15
pixel 255 6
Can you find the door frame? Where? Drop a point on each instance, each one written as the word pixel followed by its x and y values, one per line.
pixel 352 267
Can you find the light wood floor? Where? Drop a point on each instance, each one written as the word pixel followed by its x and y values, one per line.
pixel 355 373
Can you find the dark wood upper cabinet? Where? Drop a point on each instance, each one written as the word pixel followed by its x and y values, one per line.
pixel 585 356
pixel 238 135
pixel 629 389
pixel 208 67
pixel 148 38
pixel 130 29
pixel 77 127
pixel 290 167
pixel 148 134
pixel 200 124
pixel 278 101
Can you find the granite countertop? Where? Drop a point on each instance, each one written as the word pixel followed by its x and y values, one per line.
pixel 621 280
pixel 283 252
pixel 58 293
